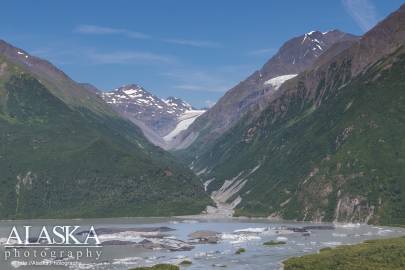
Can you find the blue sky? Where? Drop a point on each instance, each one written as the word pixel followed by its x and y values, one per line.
pixel 193 49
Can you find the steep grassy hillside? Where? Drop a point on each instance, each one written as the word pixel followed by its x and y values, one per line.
pixel 388 254
pixel 58 160
pixel 339 155
pixel 329 143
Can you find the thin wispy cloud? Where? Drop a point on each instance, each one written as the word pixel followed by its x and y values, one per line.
pixel 63 54
pixel 207 87
pixel 130 57
pixel 241 69
pixel 100 30
pixel 60 53
pixel 194 43
pixel 70 54
pixel 190 87
pixel 262 51
pixel 204 88
pixel 209 103
pixel 199 80
pixel 363 12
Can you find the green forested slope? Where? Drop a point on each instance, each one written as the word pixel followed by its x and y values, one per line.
pixel 58 160
pixel 336 156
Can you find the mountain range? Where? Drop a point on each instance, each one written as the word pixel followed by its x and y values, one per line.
pixel 160 119
pixel 326 144
pixel 295 56
pixel 317 134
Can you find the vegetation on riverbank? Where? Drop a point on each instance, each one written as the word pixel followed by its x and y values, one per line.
pixel 240 251
pixel 186 262
pixel 158 267
pixel 387 254
pixel 274 243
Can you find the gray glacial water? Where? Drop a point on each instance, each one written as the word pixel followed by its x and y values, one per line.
pixel 203 256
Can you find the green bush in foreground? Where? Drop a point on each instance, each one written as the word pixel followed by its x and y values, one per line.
pixel 388 254
pixel 186 262
pixel 158 267
pixel 240 251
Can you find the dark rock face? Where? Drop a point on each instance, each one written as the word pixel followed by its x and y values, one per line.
pixel 300 53
pixel 346 60
pixel 295 56
pixel 137 104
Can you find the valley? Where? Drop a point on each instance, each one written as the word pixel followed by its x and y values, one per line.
pixel 66 153
pixel 198 141
pixel 310 149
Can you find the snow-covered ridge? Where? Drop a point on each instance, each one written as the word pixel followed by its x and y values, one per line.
pixel 278 81
pixel 131 93
pixel 132 96
pixel 313 38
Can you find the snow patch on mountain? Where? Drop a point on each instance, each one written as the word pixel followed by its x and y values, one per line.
pixel 177 103
pixel 278 81
pixel 22 54
pixel 185 120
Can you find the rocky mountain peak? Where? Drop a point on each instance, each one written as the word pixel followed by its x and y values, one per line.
pixel 132 94
pixel 151 113
pixel 295 56
pixel 178 103
pixel 301 52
